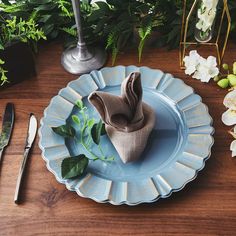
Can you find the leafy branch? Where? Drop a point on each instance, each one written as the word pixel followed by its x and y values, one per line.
pixel 17 30
pixel 114 23
pixel 64 6
pixel 3 77
pixel 89 134
pixel 143 34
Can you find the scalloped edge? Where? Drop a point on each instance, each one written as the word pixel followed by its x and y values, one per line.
pixel 130 203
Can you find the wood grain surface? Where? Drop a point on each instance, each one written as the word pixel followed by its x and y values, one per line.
pixel 206 206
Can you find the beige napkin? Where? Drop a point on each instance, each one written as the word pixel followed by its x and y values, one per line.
pixel 127 119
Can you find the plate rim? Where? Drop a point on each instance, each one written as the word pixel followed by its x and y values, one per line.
pixel 111 200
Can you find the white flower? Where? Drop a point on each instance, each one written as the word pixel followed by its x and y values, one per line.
pixel 233 143
pixel 191 62
pixel 209 4
pixel 206 69
pixel 203 69
pixel 229 117
pixel 230 100
pixel 206 15
pixel 206 20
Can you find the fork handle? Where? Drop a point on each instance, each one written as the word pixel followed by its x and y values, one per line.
pixel 20 175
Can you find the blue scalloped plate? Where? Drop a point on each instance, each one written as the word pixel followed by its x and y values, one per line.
pixel 177 149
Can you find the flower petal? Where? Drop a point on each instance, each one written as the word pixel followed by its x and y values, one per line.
pixel 214 71
pixel 211 61
pixel 230 100
pixel 235 129
pixel 229 117
pixel 197 75
pixel 233 148
pixel 206 78
pixel 189 70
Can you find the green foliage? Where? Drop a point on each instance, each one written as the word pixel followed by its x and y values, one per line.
pixel 96 131
pixel 143 34
pixel 3 78
pixel 88 132
pixel 70 31
pixel 21 30
pixel 115 23
pixel 17 30
pixel 74 166
pixel 118 22
pixel 65 131
pixel 64 6
pixel 55 17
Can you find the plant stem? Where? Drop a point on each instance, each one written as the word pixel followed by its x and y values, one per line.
pixel 100 149
pixel 90 152
pixel 86 143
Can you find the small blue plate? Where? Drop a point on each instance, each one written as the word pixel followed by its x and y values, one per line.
pixel 177 149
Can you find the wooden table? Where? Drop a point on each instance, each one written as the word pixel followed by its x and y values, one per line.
pixel 205 206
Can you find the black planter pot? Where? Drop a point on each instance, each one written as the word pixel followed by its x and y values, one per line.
pixel 19 62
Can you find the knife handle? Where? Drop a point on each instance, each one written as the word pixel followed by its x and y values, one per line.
pixel 20 175
pixel 1 153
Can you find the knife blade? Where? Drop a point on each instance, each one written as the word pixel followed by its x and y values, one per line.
pixel 32 130
pixel 7 126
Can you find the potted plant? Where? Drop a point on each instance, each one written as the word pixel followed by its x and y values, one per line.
pixel 17 38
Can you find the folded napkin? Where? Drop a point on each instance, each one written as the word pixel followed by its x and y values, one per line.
pixel 128 121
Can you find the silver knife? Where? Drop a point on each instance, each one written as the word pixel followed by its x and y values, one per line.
pixel 32 130
pixel 7 125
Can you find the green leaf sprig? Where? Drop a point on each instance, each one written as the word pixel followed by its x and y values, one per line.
pixel 3 77
pixel 74 166
pixel 89 134
pixel 17 30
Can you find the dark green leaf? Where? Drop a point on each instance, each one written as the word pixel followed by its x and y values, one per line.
pixel 95 15
pixel 74 166
pixel 53 34
pixel 45 7
pixel 40 2
pixel 6 2
pixel 96 132
pixel 44 18
pixel 65 131
pixel 103 7
pixel 103 131
pixel 48 28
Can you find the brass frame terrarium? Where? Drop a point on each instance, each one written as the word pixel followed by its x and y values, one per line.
pixel 184 29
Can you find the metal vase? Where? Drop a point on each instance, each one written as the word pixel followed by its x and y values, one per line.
pixel 82 59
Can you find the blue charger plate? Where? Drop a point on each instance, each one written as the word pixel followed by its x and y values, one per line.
pixel 177 148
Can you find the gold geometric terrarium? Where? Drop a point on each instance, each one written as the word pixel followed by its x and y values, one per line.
pixel 204 27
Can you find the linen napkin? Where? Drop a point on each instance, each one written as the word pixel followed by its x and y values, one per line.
pixel 128 120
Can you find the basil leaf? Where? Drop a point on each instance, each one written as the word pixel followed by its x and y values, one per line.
pixel 74 166
pixel 103 131
pixel 76 119
pixel 79 104
pixel 90 123
pixel 96 131
pixel 65 131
